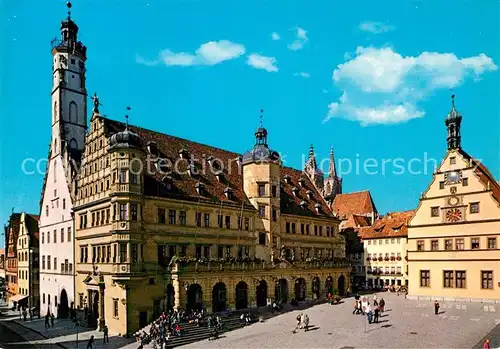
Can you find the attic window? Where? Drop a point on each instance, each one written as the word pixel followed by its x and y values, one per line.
pixel 302 181
pixel 317 206
pixel 183 153
pixel 152 148
pixel 239 160
pixel 229 193
pixel 220 176
pixel 287 179
pixel 295 190
pixel 200 188
pixel 309 194
pixel 303 204
pixel 167 180
pixel 191 169
pixel 210 160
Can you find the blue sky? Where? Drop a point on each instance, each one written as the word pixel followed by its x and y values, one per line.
pixel 371 80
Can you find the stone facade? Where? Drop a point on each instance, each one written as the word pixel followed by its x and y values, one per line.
pixel 27 252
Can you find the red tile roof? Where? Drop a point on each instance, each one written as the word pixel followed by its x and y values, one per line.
pixel 484 175
pixel 360 203
pixel 184 185
pixel 393 224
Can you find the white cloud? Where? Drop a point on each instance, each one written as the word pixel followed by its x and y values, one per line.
pixel 375 27
pixel 140 60
pixel 384 87
pixel 275 36
pixel 302 74
pixel 262 62
pixel 300 39
pixel 209 53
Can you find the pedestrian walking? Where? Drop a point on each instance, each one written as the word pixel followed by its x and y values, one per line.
pixel 376 314
pixel 486 344
pixel 375 302
pixel 106 336
pixel 52 318
pixel 436 307
pixel 90 343
pixel 47 323
pixel 381 305
pixel 298 318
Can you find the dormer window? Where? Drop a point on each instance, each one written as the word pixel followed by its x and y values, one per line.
pixel 239 160
pixel 191 169
pixel 303 204
pixel 317 207
pixel 302 182
pixel 287 179
pixel 152 148
pixel 220 176
pixel 210 160
pixel 183 153
pixel 309 194
pixel 295 191
pixel 200 188
pixel 167 180
pixel 229 193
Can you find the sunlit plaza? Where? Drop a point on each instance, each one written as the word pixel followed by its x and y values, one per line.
pixel 404 324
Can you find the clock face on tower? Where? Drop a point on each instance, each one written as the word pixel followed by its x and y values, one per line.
pixel 453 215
pixel 453 201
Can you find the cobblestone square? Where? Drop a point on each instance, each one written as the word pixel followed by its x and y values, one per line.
pixel 404 324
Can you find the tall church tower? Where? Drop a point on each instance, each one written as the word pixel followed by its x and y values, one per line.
pixel 312 170
pixel 69 95
pixel 333 184
pixel 453 122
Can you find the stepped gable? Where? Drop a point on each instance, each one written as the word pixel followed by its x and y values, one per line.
pixel 394 224
pixel 184 185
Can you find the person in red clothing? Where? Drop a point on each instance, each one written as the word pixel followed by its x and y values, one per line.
pixel 487 344
pixel 436 307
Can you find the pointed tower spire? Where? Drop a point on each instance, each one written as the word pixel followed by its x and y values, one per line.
pixel 311 151
pixel 126 118
pixel 453 123
pixel 332 171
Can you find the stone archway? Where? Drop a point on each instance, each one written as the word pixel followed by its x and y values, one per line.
pixel 315 286
pixel 170 297
pixel 329 286
pixel 63 306
pixel 219 297
pixel 261 293
pixel 241 295
pixel 281 291
pixel 300 289
pixel 194 297
pixel 341 285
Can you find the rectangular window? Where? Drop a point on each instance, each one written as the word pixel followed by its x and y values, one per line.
pixel 425 278
pixel 447 278
pixel 262 211
pixel 240 224
pixel 48 262
pixel 293 228
pixel 420 245
pixel 459 244
pixel 262 190
pixel 55 236
pixel 453 160
pixel 448 244
pixel 133 178
pixel 287 227
pixel 123 253
pixel 274 191
pixel 465 182
pixel 171 216
pixel 220 251
pixel 198 219
pixel 220 222
pixel 492 243
pixel 43 262
pixel 441 185
pixel 302 228
pixel 123 212
pixel 161 215
pixel 307 229
pixel 122 177
pixel 435 211
pixel 206 218
pixel 134 253
pixel 474 207
pixel 274 214
pixel 460 279
pixel 43 237
pixel 62 235
pixel 320 230
pixel 474 243
pixel 182 218
pixel 228 222
pixel 247 223
pixel 98 216
pixel 115 308
pixel 434 245
pixel 107 215
pixel 487 280
pixel 262 238
pixel 133 212
pixel 316 230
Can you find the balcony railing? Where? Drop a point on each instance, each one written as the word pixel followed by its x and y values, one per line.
pixel 127 188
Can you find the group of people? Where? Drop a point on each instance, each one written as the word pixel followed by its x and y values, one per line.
pixel 302 323
pixel 363 307
pixel 49 320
